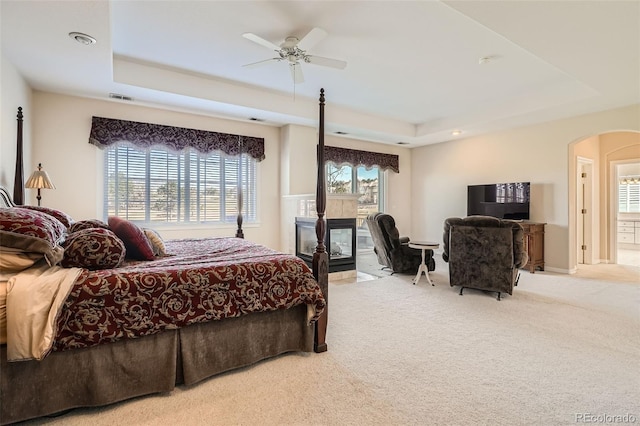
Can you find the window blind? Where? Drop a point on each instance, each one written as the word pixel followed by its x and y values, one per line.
pixel 629 197
pixel 160 186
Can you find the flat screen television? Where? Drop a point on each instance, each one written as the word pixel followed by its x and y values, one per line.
pixel 501 200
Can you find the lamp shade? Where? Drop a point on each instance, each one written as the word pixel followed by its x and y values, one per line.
pixel 39 179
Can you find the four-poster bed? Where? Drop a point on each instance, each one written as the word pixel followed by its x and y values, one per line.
pixel 272 304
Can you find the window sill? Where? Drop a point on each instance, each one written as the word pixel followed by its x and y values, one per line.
pixel 196 226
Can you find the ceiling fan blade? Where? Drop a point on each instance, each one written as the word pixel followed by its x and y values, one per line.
pixel 312 38
pixel 257 64
pixel 326 62
pixel 262 42
pixel 296 73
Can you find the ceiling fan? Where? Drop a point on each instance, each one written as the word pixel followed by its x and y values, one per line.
pixel 294 51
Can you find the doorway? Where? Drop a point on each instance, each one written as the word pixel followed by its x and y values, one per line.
pixel 600 154
pixel 626 206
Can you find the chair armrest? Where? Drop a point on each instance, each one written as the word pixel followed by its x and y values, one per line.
pixel 404 240
pixel 520 256
pixel 521 260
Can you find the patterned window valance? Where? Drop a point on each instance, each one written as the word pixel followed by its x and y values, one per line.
pixel 107 131
pixel 361 158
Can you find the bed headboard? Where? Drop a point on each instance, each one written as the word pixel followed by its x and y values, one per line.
pixel 5 198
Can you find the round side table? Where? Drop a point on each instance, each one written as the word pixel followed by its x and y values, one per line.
pixel 424 246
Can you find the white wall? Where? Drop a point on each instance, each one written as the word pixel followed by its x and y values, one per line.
pixel 538 154
pixel 299 163
pixel 61 126
pixel 14 93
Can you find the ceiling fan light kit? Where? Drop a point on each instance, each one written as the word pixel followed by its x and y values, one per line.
pixel 294 51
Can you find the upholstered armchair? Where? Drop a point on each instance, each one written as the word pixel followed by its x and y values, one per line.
pixel 484 253
pixel 392 250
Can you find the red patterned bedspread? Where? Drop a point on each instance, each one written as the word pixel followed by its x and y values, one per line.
pixel 203 280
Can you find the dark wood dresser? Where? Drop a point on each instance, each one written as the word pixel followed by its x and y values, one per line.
pixel 534 244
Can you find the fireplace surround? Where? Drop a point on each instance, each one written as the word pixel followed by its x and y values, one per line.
pixel 340 241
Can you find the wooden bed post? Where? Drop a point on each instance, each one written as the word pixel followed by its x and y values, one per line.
pixel 18 182
pixel 239 232
pixel 320 257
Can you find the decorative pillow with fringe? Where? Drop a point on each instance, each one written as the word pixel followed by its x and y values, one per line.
pixel 157 243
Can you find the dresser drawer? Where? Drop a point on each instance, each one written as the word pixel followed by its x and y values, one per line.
pixel 626 223
pixel 626 238
pixel 626 229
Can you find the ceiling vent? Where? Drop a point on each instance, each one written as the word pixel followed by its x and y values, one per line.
pixel 120 97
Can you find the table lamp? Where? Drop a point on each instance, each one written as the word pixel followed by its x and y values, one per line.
pixel 39 180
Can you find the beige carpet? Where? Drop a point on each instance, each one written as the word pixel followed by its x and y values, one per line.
pixel 560 349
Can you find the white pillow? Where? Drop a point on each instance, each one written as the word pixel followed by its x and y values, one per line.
pixel 16 260
pixel 3 312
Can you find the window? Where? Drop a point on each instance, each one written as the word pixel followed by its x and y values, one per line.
pixel 629 194
pixel 160 186
pixel 368 183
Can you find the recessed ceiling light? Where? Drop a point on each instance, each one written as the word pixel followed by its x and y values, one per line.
pixel 456 132
pixel 82 38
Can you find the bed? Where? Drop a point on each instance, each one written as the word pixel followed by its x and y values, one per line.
pixel 106 335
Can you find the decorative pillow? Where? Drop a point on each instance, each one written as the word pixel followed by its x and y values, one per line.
pixel 93 248
pixel 137 244
pixel 66 220
pixel 157 243
pixel 86 224
pixel 32 232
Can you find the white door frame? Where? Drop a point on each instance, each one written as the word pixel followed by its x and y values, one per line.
pixel 613 210
pixel 584 222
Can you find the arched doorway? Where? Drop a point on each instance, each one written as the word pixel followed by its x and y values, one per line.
pixel 600 155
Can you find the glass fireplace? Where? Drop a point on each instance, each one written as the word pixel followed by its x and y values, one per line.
pixel 340 242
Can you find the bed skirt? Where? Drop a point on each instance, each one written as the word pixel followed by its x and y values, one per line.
pixel 126 369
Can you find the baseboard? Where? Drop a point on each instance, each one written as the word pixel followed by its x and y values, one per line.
pixel 343 275
pixel 560 270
